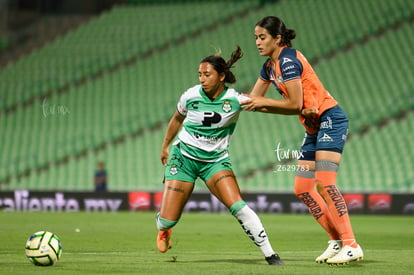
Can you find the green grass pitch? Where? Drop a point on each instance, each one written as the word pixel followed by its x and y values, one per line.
pixel 124 243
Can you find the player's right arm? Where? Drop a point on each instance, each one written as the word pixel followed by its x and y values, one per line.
pixel 260 88
pixel 291 104
pixel 175 124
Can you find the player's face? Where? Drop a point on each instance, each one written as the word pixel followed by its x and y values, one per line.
pixel 209 78
pixel 266 44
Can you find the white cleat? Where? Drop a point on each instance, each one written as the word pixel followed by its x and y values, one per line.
pixel 334 247
pixel 346 255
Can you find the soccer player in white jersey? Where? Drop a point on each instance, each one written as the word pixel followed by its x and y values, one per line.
pixel 196 144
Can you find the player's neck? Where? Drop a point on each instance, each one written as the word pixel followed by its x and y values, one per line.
pixel 215 93
pixel 276 53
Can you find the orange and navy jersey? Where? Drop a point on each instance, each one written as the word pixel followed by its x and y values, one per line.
pixel 292 65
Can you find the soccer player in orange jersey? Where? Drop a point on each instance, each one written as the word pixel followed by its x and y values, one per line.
pixel 326 126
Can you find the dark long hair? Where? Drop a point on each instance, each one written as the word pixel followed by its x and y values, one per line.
pixel 222 66
pixel 275 26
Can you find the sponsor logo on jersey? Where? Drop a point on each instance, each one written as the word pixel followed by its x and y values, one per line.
pixel 286 60
pixel 288 73
pixel 206 139
pixel 288 68
pixel 325 138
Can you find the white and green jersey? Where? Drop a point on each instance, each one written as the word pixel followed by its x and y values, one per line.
pixel 209 124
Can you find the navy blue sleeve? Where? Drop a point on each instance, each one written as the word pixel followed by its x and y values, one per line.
pixel 290 66
pixel 264 73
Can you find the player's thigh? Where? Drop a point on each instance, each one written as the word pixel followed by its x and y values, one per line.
pixel 332 135
pixel 223 186
pixel 307 151
pixel 328 155
pixel 175 196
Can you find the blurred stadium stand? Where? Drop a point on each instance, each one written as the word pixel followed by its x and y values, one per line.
pixel 103 85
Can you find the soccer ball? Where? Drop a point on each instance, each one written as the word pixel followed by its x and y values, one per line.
pixel 43 248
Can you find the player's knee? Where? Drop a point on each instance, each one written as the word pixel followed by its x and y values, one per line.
pixel 304 182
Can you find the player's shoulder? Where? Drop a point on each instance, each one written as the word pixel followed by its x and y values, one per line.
pixel 192 92
pixel 291 59
pixel 288 55
pixel 232 93
pixel 291 55
pixel 194 89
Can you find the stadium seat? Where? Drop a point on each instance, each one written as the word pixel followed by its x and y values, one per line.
pixel 141 96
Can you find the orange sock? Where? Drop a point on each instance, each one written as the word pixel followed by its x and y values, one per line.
pixel 326 185
pixel 305 191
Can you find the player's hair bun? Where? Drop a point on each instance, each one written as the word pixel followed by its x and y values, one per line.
pixel 290 34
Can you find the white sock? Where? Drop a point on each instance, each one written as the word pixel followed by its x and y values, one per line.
pixel 253 227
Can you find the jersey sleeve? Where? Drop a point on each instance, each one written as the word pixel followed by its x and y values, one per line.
pixel 291 68
pixel 182 104
pixel 241 98
pixel 264 73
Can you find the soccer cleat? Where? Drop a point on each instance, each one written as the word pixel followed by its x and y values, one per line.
pixel 334 247
pixel 346 255
pixel 274 260
pixel 163 240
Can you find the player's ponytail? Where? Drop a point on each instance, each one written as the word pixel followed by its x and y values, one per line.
pixel 235 56
pixel 275 26
pixel 222 66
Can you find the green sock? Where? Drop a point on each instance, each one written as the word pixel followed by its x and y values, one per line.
pixel 164 224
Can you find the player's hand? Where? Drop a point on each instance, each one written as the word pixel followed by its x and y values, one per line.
pixel 310 112
pixel 254 103
pixel 164 156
